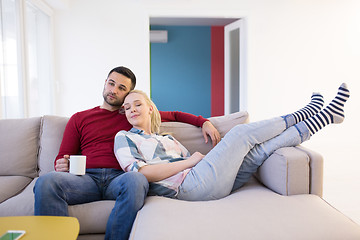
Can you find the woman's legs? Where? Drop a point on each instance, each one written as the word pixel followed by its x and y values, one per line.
pixel 212 178
pixel 254 159
pixel 333 113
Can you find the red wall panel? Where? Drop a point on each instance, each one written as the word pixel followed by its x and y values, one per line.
pixel 217 71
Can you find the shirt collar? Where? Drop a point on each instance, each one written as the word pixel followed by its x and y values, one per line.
pixel 141 132
pixel 137 131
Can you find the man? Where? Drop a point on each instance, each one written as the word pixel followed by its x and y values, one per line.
pixel 91 133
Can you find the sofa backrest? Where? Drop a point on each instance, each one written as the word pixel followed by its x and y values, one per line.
pixel 19 144
pixel 52 129
pixel 51 133
pixel 192 138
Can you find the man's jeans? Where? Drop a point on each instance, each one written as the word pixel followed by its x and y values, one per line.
pixel 232 161
pixel 56 190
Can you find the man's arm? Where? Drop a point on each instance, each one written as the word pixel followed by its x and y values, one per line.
pixel 177 116
pixel 70 144
pixel 199 121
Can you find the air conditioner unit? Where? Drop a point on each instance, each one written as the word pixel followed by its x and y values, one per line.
pixel 158 36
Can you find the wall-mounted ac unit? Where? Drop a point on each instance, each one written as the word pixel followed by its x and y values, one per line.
pixel 158 36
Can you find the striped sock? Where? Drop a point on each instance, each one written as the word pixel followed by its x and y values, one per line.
pixel 333 113
pixel 311 109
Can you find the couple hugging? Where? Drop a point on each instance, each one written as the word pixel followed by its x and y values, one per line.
pixel 148 163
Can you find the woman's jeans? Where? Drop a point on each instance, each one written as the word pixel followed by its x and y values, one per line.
pixel 237 156
pixel 56 190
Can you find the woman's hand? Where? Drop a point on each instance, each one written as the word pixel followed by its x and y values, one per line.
pixel 158 172
pixel 195 158
pixel 209 129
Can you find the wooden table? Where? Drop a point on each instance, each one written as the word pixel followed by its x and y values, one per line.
pixel 42 227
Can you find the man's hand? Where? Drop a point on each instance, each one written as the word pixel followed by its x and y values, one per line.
pixel 209 129
pixel 62 164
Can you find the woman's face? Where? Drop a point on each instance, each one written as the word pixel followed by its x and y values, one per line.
pixel 137 111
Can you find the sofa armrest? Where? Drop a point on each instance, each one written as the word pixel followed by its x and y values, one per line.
pixel 316 171
pixel 293 170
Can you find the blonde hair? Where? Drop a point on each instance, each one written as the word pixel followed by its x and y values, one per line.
pixel 155 115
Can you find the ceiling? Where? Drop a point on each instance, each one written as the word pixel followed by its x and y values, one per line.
pixel 170 21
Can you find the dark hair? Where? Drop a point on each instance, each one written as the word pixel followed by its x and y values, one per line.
pixel 127 73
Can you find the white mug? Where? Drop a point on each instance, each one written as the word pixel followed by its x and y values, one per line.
pixel 77 164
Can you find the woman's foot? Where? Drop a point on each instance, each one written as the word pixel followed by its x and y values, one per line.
pixel 311 109
pixel 333 113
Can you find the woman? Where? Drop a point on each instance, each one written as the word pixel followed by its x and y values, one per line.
pixel 172 172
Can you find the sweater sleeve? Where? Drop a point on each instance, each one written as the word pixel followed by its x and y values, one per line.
pixel 70 143
pixel 182 117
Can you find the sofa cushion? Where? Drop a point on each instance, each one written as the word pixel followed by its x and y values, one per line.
pixel 192 138
pixel 87 212
pixel 51 133
pixel 19 147
pixel 12 185
pixel 20 205
pixel 253 212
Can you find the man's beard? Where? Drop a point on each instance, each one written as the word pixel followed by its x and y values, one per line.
pixel 115 103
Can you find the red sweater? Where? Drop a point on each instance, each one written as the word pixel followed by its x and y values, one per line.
pixel 92 132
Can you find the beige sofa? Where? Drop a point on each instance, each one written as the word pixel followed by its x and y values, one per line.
pixel 282 202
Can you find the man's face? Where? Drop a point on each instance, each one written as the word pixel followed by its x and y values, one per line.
pixel 117 86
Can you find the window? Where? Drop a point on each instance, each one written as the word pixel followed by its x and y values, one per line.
pixel 25 59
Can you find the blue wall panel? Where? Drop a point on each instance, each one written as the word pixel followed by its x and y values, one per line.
pixel 180 70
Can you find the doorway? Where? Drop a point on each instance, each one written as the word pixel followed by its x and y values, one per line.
pixel 189 70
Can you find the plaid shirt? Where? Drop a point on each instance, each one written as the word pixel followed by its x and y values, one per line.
pixel 134 149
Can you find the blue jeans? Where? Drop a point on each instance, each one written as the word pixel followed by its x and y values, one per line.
pixel 258 154
pixel 56 190
pixel 232 161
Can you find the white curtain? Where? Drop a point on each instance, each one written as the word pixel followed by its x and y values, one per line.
pixel 25 60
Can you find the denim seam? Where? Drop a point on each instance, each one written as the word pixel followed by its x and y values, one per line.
pixel 289 120
pixel 303 135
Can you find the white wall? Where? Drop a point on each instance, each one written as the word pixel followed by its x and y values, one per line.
pixel 293 48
